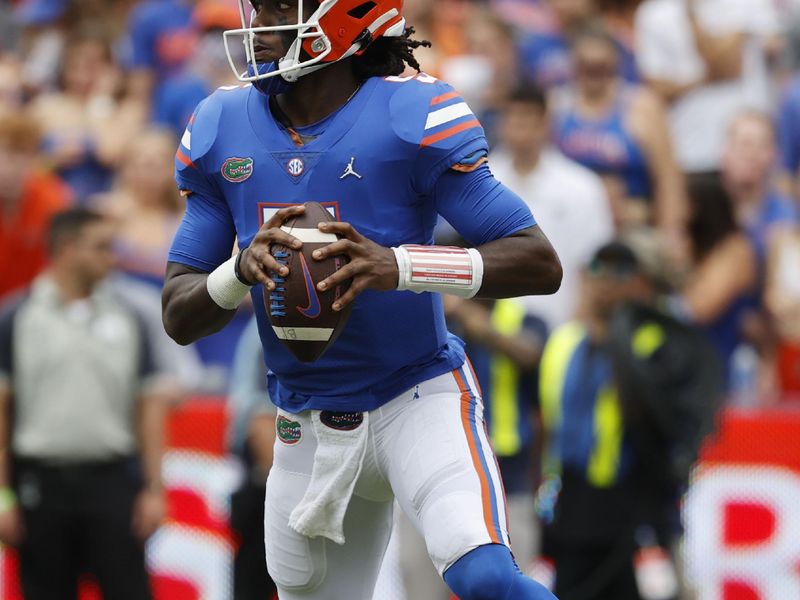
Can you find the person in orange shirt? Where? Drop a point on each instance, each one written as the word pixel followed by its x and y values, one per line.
pixel 29 196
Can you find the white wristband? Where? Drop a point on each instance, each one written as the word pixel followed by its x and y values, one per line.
pixel 441 269
pixel 224 287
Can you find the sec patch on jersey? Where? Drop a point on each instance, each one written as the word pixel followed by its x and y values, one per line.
pixel 301 316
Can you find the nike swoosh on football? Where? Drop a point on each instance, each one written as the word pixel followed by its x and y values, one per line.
pixel 313 310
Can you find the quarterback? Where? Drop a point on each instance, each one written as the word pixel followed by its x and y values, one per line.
pixel 392 409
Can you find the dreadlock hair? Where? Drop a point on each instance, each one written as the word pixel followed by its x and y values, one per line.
pixel 389 56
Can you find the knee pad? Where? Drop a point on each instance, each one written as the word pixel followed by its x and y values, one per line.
pixel 490 573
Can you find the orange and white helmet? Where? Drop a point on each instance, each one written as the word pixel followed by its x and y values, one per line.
pixel 337 29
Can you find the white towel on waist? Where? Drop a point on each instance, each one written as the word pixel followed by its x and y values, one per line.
pixel 337 465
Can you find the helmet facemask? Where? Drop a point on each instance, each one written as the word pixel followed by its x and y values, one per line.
pixel 311 48
pixel 291 65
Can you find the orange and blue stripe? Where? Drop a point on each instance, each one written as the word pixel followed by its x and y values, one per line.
pixel 488 438
pixel 448 116
pixel 183 154
pixel 492 494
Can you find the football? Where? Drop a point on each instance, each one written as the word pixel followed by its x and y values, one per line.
pixel 301 316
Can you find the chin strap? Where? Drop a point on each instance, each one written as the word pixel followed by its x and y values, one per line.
pixel 269 86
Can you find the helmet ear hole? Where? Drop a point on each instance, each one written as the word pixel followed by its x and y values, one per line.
pixel 360 11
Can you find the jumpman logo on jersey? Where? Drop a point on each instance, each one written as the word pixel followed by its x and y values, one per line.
pixel 349 170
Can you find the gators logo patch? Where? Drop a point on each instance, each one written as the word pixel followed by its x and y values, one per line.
pixel 237 169
pixel 341 421
pixel 288 431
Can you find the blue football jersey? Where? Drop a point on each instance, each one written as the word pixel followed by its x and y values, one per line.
pixel 375 163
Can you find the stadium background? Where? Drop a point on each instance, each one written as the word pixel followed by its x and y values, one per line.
pixel 742 514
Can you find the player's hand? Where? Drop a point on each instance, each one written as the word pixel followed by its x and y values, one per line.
pixel 371 266
pixel 12 529
pixel 149 511
pixel 257 264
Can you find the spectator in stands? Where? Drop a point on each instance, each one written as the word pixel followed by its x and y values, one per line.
pixel 29 196
pixel 544 53
pixel 11 98
pixel 8 29
pixel 160 39
pixel 448 26
pixel 722 289
pixel 527 16
pixel 44 26
pixel 609 491
pixel 618 18
pixel 620 132
pixel 761 211
pixel 564 197
pixel 206 69
pixel 145 204
pixel 782 298
pixel 147 209
pixel 81 423
pixel 788 131
pixel 488 72
pixel 748 171
pixel 251 438
pixel 706 58
pixel 86 127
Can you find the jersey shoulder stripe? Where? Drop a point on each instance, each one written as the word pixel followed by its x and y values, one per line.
pixel 428 112
pixel 448 115
pixel 204 125
pixel 437 125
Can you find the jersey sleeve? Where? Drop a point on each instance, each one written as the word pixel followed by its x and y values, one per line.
pixel 446 134
pixel 205 237
pixel 479 207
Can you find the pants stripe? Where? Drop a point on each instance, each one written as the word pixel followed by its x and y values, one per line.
pixel 474 380
pixel 488 494
pixel 495 477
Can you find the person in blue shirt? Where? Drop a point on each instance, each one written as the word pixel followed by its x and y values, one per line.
pixel 391 411
pixel 787 127
pixel 544 53
pixel 159 41
pixel 619 131
pixel 748 171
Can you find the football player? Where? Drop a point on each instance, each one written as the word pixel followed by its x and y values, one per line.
pixel 392 410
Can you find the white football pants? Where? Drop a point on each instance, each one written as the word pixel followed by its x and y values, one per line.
pixel 427 448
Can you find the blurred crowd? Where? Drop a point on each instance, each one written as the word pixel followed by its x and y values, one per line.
pixel 639 102
pixel 657 143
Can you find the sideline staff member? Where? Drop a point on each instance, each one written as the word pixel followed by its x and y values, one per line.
pixel 76 391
